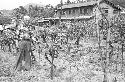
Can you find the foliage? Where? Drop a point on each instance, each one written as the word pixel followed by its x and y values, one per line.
pixel 5 20
pixel 47 11
pixel 19 12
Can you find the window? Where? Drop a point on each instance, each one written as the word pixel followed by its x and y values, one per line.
pixel 63 12
pixel 106 11
pixel 115 11
pixel 85 11
pixel 89 11
pixel 81 11
pixel 69 11
pixel 73 11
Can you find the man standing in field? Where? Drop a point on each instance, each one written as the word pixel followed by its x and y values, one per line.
pixel 24 59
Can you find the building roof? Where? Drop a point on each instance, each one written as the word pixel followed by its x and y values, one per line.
pixel 78 17
pixel 90 3
pixel 118 2
pixel 42 20
pixel 111 4
pixel 75 5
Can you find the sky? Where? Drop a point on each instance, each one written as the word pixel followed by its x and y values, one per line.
pixel 11 4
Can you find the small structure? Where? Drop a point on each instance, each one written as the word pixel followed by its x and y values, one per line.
pixel 43 22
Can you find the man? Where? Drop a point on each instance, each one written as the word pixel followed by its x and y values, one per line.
pixel 24 60
pixel 44 35
pixel 54 36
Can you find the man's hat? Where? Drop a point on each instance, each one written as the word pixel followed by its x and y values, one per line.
pixel 26 36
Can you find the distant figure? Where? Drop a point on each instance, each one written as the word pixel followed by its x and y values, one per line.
pixel 54 36
pixel 24 60
pixel 1 29
pixel 115 79
pixel 44 35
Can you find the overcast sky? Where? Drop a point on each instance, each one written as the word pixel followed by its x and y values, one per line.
pixel 11 4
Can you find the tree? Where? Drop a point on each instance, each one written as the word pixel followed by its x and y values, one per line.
pixel 19 12
pixel 5 20
pixel 36 11
pixel 48 11
pixel 22 10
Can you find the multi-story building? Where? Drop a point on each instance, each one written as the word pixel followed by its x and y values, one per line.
pixel 86 10
pixel 76 10
pixel 89 11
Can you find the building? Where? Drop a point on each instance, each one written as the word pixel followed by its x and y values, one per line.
pixel 83 11
pixel 89 11
pixel 86 10
pixel 76 10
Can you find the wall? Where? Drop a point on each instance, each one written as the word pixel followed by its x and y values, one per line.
pixel 75 12
pixel 109 8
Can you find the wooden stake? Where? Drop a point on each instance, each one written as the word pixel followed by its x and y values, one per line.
pixel 122 58
pixel 52 69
